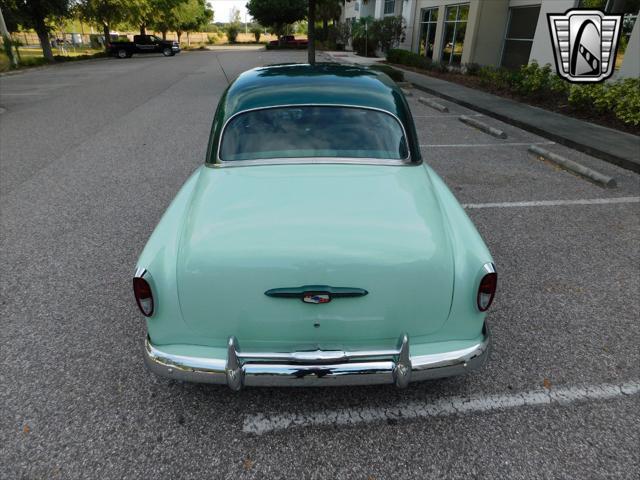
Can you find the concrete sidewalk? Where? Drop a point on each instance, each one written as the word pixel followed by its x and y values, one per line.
pixel 613 146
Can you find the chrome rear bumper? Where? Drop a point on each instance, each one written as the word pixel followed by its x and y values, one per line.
pixel 317 368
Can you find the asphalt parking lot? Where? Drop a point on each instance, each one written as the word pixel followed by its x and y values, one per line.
pixel 92 153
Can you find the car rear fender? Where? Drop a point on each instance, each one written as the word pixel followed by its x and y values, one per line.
pixel 470 254
pixel 159 259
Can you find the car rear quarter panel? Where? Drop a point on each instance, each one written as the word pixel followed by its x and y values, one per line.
pixel 470 254
pixel 159 258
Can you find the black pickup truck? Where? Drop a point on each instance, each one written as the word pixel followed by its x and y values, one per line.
pixel 143 44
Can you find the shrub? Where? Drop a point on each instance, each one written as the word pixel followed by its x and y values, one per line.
pixel 363 41
pixel 257 32
pixel 343 34
pixel 405 57
pixel 471 69
pixel 394 74
pixel 364 46
pixel 388 32
pixel 628 108
pixel 232 31
pixel 622 98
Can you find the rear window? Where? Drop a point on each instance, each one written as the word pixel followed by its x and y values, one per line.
pixel 313 132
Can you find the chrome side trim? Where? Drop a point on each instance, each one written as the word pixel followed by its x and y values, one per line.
pixel 311 160
pixel 317 368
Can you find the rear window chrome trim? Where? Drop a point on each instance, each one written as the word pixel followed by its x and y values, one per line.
pixel 311 160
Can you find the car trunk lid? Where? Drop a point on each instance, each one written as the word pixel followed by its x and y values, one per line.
pixel 313 230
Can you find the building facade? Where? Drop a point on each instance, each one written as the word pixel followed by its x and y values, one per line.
pixel 507 33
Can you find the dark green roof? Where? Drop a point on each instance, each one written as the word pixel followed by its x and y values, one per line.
pixel 323 84
pixel 326 83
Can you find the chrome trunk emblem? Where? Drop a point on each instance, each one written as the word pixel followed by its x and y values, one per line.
pixel 316 298
pixel 316 294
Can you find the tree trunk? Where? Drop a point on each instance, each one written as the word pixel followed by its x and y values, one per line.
pixel 325 29
pixel 188 39
pixel 45 43
pixel 311 35
pixel 106 31
pixel 143 29
pixel 179 34
pixel 164 34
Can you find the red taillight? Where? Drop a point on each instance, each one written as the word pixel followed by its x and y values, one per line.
pixel 144 297
pixel 487 290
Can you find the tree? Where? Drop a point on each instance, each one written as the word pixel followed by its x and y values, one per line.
pixel 234 16
pixel 388 32
pixel 277 14
pixel 106 13
pixel 311 35
pixel 149 13
pixel 34 14
pixel 190 16
pixel 328 10
pixel 233 27
pixel 7 41
pixel 257 32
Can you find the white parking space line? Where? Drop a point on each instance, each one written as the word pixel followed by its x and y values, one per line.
pixel 551 203
pixel 501 144
pixel 260 424
pixel 21 94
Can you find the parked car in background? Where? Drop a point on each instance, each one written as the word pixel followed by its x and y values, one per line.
pixel 290 41
pixel 314 246
pixel 143 44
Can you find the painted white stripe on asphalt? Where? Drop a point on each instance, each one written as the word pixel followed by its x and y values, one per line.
pixel 513 144
pixel 550 203
pixel 22 94
pixel 260 423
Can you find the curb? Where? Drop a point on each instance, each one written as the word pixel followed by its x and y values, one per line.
pixel 486 128
pixel 22 70
pixel 407 93
pixel 594 152
pixel 433 104
pixel 594 176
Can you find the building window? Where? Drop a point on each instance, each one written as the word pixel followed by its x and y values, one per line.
pixel 519 37
pixel 428 23
pixel 455 28
pixel 389 7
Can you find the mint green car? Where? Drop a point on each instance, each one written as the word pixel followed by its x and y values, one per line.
pixel 314 246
